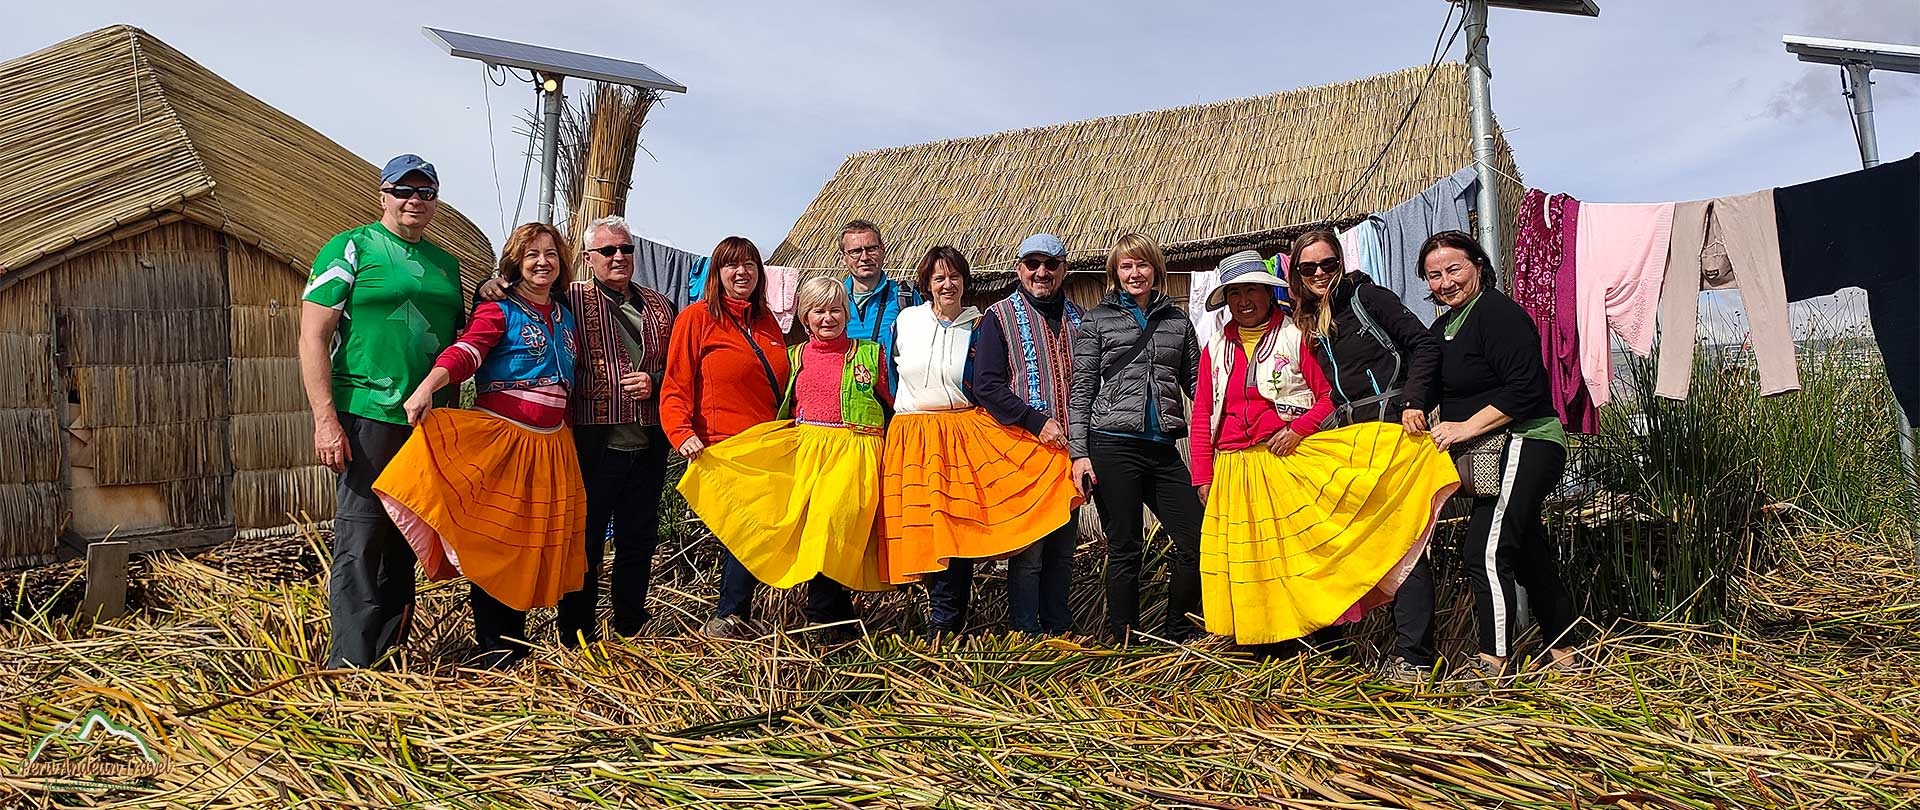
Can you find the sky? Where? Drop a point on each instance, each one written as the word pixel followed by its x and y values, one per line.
pixel 1655 100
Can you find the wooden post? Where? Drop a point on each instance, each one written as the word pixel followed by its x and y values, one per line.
pixel 106 596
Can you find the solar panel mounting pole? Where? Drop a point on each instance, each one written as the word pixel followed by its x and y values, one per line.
pixel 551 99
pixel 1479 98
pixel 1859 59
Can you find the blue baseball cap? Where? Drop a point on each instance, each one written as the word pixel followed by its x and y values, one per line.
pixel 1043 243
pixel 408 164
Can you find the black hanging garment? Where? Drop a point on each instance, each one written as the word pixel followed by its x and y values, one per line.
pixel 1862 229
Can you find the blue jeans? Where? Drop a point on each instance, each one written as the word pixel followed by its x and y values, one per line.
pixel 827 601
pixel 949 593
pixel 1039 580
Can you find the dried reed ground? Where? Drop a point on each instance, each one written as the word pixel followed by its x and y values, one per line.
pixel 1814 700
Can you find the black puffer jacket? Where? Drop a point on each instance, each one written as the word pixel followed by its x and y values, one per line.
pixel 1112 382
pixel 1361 368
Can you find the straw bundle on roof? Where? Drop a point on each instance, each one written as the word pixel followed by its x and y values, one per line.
pixel 1230 174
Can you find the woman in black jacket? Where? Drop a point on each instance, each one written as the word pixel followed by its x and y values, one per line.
pixel 1135 361
pixel 1492 380
pixel 1382 362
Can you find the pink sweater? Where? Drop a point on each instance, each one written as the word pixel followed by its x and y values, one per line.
pixel 1621 251
pixel 816 391
pixel 1246 417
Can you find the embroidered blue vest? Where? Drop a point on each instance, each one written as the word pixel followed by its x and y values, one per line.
pixel 531 354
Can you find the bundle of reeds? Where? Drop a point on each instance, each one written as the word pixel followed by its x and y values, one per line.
pixel 600 144
pixel 1791 710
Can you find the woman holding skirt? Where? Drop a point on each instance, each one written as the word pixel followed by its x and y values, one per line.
pixel 957 486
pixel 1303 528
pixel 796 498
pixel 495 493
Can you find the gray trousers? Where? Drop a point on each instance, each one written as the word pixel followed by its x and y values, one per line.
pixel 370 592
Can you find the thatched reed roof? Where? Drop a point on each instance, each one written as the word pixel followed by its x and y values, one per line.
pixel 113 131
pixel 1200 179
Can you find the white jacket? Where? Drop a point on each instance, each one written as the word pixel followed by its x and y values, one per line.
pixel 931 360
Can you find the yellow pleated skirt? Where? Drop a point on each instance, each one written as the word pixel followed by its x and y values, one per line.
pixel 960 484
pixel 1292 544
pixel 501 503
pixel 792 501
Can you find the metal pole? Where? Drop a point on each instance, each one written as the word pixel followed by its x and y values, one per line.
pixel 1860 89
pixel 1483 147
pixel 549 142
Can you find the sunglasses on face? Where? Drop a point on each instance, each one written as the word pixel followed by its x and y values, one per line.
pixel 609 250
pixel 427 193
pixel 1035 264
pixel 1311 269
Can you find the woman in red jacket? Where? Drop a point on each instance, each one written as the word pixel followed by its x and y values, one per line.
pixel 1303 528
pixel 727 371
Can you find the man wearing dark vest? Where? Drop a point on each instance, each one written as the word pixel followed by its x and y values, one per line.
pixel 1021 374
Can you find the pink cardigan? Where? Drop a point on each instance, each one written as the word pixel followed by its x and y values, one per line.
pixel 1258 420
pixel 1621 252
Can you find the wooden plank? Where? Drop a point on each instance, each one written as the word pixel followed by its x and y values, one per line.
pixel 106 596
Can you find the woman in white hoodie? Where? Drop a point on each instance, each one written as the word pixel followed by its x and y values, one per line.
pixel 957 486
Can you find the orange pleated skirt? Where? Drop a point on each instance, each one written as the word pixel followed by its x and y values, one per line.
pixel 960 484
pixel 496 501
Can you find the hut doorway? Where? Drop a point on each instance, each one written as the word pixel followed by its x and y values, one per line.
pixel 142 349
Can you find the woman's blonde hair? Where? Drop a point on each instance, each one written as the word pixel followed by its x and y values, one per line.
pixel 820 291
pixel 1139 247
pixel 1313 313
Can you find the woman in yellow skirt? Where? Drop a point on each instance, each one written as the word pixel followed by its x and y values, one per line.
pixel 796 498
pixel 1303 528
pixel 495 493
pixel 958 486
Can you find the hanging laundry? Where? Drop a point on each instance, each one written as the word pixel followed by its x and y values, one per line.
pixel 1200 284
pixel 1442 207
pixel 1857 230
pixel 1622 254
pixel 1360 245
pixel 1542 246
pixel 782 284
pixel 671 272
pixel 697 278
pixel 1717 244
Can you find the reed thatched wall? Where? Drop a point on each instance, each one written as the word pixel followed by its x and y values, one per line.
pixel 141 326
pixel 30 503
pixel 1209 177
pixel 275 480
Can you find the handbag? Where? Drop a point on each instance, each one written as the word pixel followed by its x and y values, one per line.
pixel 1477 460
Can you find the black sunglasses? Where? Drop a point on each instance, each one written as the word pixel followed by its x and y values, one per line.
pixel 609 250
pixel 1310 269
pixel 427 193
pixel 1035 264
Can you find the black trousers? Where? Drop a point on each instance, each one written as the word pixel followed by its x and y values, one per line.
pixel 623 492
pixel 1133 474
pixel 827 601
pixel 1040 582
pixel 498 630
pixel 370 589
pixel 1507 545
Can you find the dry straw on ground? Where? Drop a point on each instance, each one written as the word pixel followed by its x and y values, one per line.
pixel 1813 701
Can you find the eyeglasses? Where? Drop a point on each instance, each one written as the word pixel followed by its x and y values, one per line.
pixel 427 193
pixel 609 250
pixel 1035 264
pixel 1310 269
pixel 869 250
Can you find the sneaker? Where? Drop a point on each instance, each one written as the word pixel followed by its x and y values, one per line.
pixel 1477 675
pixel 731 628
pixel 1401 671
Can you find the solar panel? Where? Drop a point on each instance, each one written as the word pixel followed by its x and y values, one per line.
pixel 552 61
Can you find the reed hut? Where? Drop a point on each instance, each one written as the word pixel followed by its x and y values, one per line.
pixel 1205 180
pixel 156 228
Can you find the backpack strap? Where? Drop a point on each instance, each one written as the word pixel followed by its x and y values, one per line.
pixel 1372 328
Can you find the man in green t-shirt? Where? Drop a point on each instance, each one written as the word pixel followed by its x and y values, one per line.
pixel 380 306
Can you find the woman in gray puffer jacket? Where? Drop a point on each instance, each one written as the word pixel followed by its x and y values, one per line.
pixel 1135 362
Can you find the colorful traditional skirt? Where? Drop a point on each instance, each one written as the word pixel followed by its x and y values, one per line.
pixel 960 484
pixel 1295 543
pixel 792 501
pixel 499 502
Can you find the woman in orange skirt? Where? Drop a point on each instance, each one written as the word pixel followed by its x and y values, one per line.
pixel 494 493
pixel 957 486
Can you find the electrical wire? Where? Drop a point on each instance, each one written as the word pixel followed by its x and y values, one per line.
pixel 1433 66
pixel 493 152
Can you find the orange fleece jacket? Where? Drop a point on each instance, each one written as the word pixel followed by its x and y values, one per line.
pixel 716 386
